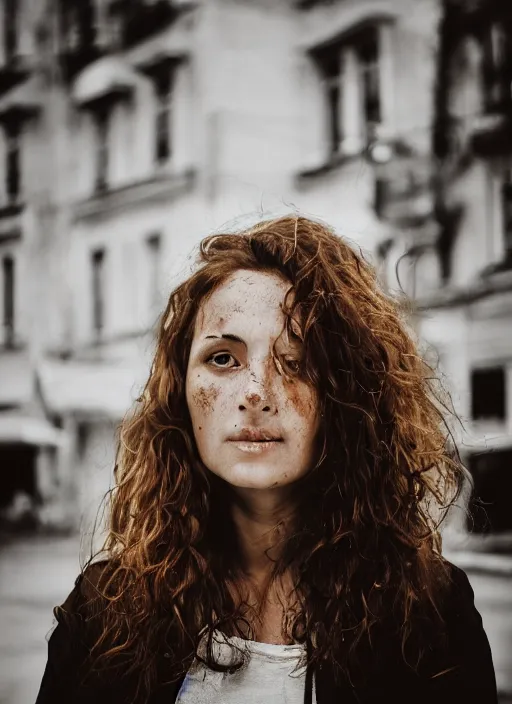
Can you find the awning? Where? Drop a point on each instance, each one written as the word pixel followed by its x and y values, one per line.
pixel 107 80
pixel 22 102
pixel 17 428
pixel 91 389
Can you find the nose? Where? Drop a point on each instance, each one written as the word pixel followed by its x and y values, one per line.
pixel 255 402
pixel 256 396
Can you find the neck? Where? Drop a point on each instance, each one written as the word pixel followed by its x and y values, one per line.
pixel 263 518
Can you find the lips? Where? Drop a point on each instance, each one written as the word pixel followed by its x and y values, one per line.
pixel 255 435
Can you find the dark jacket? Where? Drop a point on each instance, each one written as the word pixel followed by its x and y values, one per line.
pixel 464 674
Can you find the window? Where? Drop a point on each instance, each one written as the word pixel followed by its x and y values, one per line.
pixel 102 149
pixel 12 166
pixel 154 247
pixel 330 64
pixel 490 505
pixel 10 30
pixel 506 205
pixel 8 299
pixel 488 394
pixel 368 54
pixel 496 68
pixel 380 196
pixel 351 77
pixel 163 89
pixel 98 290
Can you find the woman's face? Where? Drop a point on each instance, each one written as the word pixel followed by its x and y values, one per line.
pixel 253 427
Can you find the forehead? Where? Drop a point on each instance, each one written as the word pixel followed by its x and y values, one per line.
pixel 244 298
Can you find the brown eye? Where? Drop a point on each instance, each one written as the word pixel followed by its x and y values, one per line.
pixel 292 365
pixel 222 360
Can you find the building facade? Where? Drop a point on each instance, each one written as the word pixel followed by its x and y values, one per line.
pixel 469 317
pixel 132 128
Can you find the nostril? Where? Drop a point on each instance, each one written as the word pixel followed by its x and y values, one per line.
pixel 267 408
pixel 241 408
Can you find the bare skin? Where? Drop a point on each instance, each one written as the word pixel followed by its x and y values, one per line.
pixel 233 383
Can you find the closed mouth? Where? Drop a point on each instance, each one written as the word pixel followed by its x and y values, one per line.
pixel 255 441
pixel 255 446
pixel 256 436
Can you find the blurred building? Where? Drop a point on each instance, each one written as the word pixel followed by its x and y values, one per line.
pixel 132 128
pixel 468 317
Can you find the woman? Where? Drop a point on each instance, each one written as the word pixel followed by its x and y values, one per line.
pixel 279 487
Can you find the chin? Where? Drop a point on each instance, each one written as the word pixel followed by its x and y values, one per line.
pixel 255 476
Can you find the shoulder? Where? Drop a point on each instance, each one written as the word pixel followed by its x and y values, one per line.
pixel 459 598
pixel 88 585
pixel 86 599
pixel 69 675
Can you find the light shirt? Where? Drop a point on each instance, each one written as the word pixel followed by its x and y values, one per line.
pixel 271 675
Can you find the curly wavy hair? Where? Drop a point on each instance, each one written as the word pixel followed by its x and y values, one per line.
pixel 365 549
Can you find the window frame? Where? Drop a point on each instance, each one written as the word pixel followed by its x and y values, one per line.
pixel 332 60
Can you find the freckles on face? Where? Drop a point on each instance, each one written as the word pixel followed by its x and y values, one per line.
pixel 204 397
pixel 234 382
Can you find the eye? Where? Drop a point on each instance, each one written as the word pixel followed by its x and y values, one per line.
pixel 292 364
pixel 222 360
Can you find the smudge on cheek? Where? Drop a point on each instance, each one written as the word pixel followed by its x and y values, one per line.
pixel 204 398
pixel 301 399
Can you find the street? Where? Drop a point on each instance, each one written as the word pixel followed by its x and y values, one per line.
pixel 37 574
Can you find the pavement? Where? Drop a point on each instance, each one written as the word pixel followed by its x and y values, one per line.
pixel 38 573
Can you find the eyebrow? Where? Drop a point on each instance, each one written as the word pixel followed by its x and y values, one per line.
pixel 226 336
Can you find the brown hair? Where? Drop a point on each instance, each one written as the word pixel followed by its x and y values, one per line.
pixel 366 549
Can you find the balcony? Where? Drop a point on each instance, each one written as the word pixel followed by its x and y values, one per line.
pixel 333 162
pixel 161 188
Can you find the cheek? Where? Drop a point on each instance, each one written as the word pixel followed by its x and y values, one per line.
pixel 303 401
pixel 202 400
